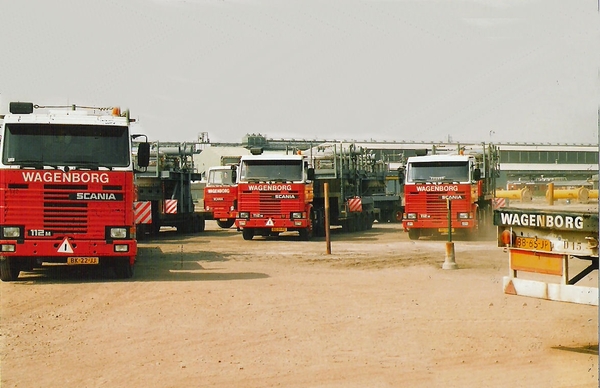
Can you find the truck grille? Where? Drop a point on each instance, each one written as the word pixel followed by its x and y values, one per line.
pixel 430 203
pixel 265 203
pixel 62 214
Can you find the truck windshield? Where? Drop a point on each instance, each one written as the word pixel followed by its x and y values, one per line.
pixel 271 171
pixel 88 146
pixel 220 177
pixel 438 172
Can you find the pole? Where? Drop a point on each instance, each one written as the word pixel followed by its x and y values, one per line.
pixel 449 262
pixel 550 194
pixel 449 201
pixel 327 237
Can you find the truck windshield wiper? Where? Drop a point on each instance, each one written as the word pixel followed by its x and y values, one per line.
pixel 30 163
pixel 82 164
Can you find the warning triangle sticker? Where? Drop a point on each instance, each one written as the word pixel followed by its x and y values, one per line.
pixel 65 247
pixel 270 222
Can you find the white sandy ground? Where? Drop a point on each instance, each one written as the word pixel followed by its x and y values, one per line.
pixel 214 310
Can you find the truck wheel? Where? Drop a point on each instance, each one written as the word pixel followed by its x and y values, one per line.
pixel 349 225
pixel 247 233
pixel 226 224
pixel 140 233
pixel 414 234
pixel 199 224
pixel 370 220
pixel 9 269
pixel 305 234
pixel 123 268
pixel 319 224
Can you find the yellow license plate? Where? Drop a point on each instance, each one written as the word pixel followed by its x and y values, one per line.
pixel 82 260
pixel 278 229
pixel 444 230
pixel 534 244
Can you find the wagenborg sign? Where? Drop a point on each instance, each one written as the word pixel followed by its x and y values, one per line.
pixel 541 220
pixel 66 177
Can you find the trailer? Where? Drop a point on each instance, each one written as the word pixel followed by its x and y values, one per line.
pixel 389 202
pixel 164 191
pixel 357 185
pixel 552 250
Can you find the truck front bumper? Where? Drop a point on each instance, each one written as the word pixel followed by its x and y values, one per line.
pixel 68 248
pixel 272 223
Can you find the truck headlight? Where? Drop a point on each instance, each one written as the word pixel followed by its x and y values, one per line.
pixel 245 215
pixel 121 248
pixel 411 216
pixel 463 215
pixel 297 215
pixel 118 232
pixel 11 232
pixel 8 248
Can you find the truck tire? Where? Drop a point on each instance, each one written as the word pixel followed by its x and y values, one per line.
pixel 123 268
pixel 319 223
pixel 414 234
pixel 305 234
pixel 248 233
pixel 348 225
pixel 140 232
pixel 199 224
pixel 370 220
pixel 9 270
pixel 226 224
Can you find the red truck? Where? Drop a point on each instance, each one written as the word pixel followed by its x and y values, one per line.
pixel 460 184
pixel 220 195
pixel 67 188
pixel 287 193
pixel 274 196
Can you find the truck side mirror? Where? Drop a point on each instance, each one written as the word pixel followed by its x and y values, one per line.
pixel 143 155
pixel 233 175
pixel 310 174
pixel 476 174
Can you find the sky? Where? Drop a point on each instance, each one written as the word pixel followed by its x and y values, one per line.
pixel 381 70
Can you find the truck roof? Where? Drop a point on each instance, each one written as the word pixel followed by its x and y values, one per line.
pixel 272 157
pixel 67 117
pixel 220 168
pixel 439 158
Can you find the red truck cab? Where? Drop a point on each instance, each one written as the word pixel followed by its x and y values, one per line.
pixel 439 186
pixel 66 189
pixel 275 195
pixel 220 195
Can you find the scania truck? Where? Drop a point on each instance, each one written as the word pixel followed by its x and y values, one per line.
pixel 66 188
pixel 459 185
pixel 220 195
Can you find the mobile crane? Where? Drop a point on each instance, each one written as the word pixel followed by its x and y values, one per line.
pixel 164 191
